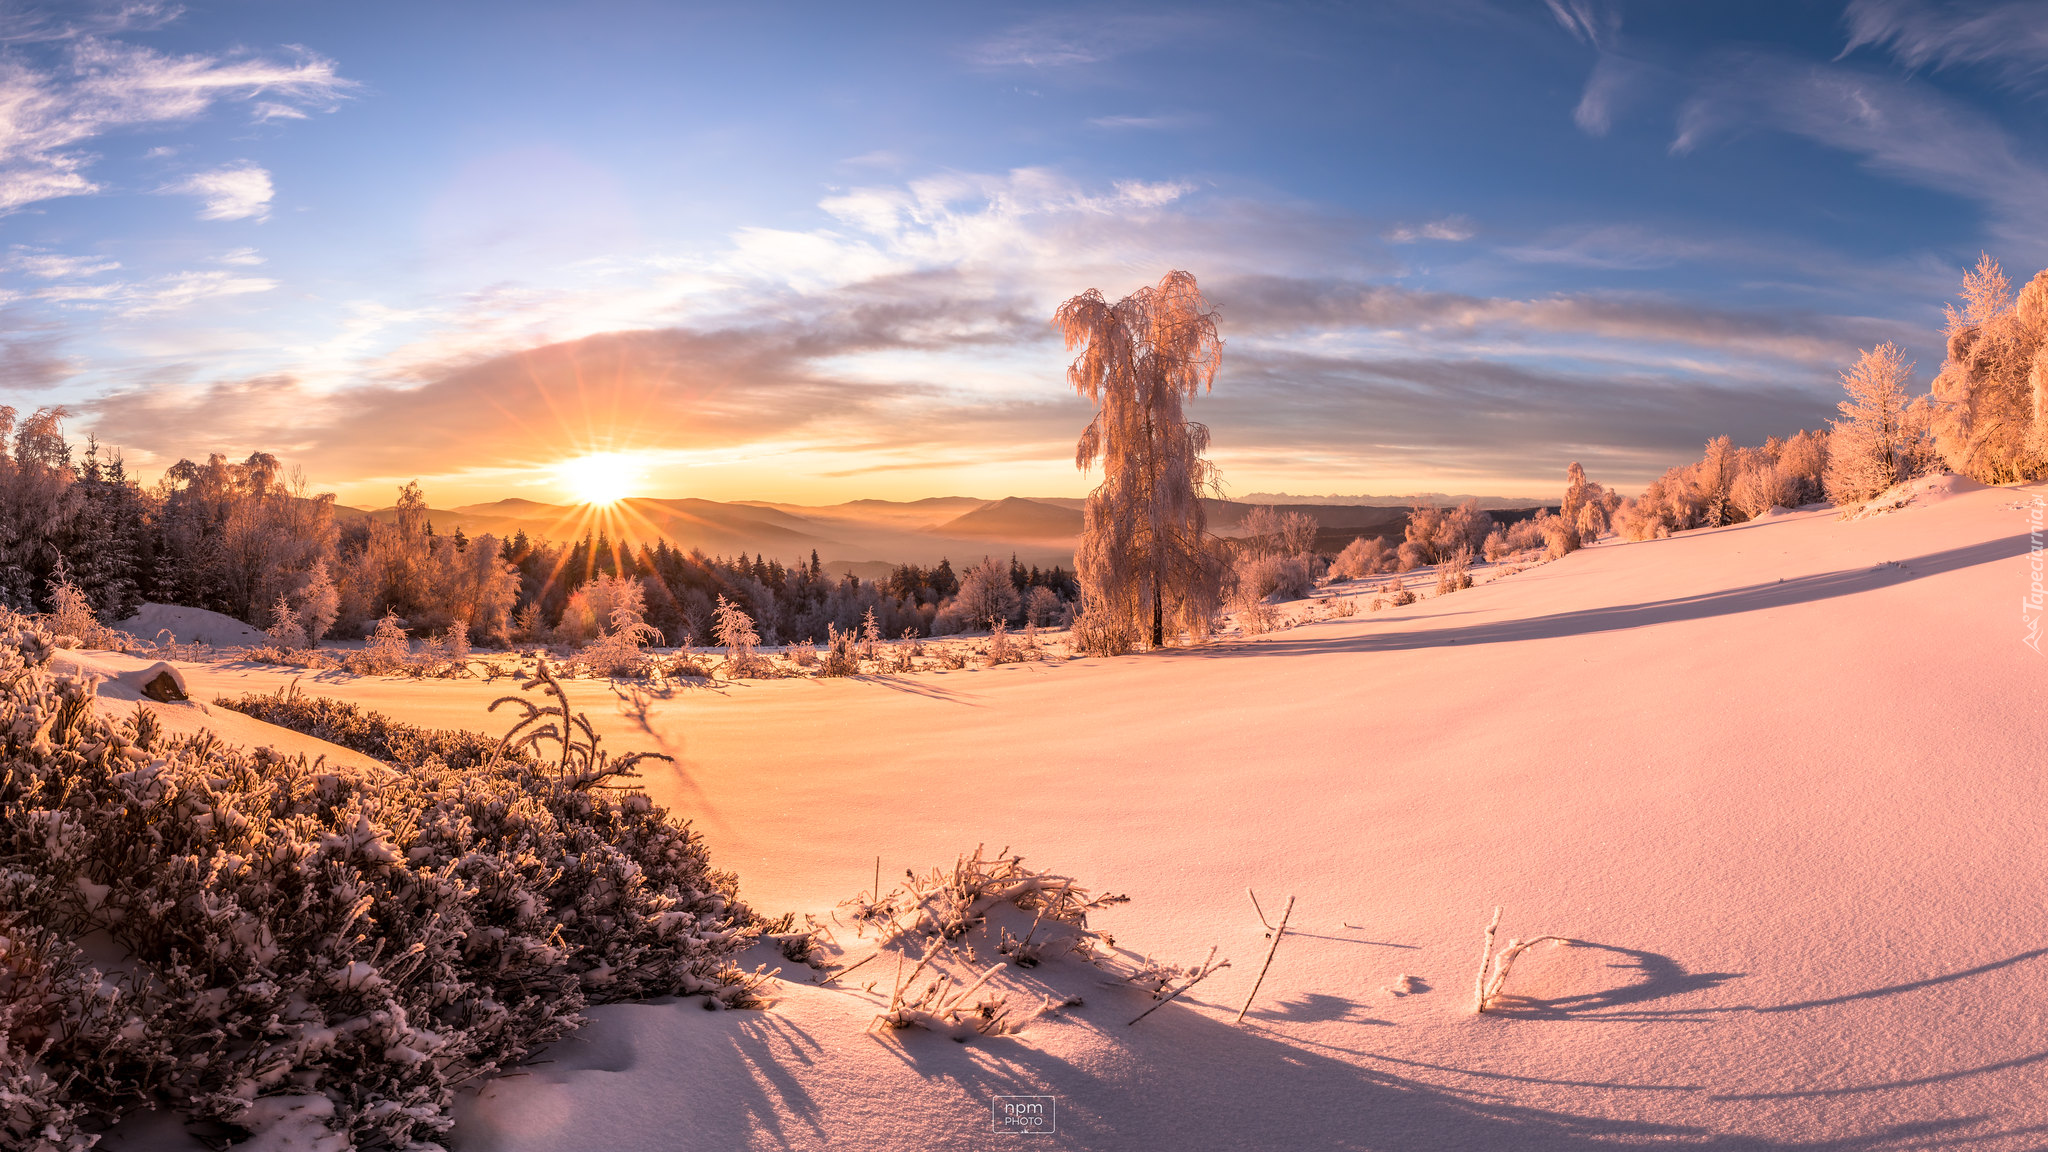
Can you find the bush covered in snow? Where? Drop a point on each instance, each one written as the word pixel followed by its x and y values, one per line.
pixel 367 939
pixel 1365 556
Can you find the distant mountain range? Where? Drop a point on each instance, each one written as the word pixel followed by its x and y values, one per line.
pixel 867 536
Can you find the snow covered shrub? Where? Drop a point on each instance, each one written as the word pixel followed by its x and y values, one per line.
pixel 71 615
pixel 1453 574
pixel 285 630
pixel 1760 488
pixel 1523 535
pixel 1001 649
pixel 593 610
pixel 734 630
pixel 842 657
pixel 804 655
pixel 618 651
pixel 986 596
pixel 1258 618
pixel 388 650
pixel 1434 534
pixel 1559 538
pixel 969 927
pixel 370 938
pixel 1401 597
pixel 951 658
pixel 1104 634
pixel 1042 607
pixel 1262 577
pixel 1362 557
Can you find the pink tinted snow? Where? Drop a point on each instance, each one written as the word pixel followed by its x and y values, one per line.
pixel 1781 781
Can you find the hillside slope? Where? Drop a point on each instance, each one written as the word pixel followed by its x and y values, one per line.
pixel 1781 780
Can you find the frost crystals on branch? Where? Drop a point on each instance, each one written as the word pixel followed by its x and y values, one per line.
pixel 1145 560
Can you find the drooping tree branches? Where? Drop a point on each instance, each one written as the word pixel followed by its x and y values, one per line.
pixel 1143 558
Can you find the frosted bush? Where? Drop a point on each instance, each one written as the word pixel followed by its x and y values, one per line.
pixel 377 936
pixel 1272 576
pixel 1559 538
pixel 388 650
pixel 1104 634
pixel 1042 607
pixel 285 630
pixel 842 653
pixel 1001 648
pixel 1362 557
pixel 734 630
pixel 71 615
pixel 1399 596
pixel 617 651
pixel 1454 574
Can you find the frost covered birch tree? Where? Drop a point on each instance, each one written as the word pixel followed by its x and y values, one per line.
pixel 1144 558
pixel 1881 438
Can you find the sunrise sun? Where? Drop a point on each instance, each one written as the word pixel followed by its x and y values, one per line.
pixel 599 478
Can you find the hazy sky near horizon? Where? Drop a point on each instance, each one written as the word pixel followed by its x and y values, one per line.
pixel 810 252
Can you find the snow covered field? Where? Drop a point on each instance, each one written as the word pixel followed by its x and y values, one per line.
pixel 1781 781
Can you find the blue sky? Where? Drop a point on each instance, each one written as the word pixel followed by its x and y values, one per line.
pixel 810 253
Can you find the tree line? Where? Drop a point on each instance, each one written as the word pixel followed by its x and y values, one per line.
pixel 249 540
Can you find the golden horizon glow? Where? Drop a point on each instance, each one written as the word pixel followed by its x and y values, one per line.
pixel 599 478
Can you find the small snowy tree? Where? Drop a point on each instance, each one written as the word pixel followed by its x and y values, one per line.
pixel 987 595
pixel 318 603
pixel 1881 438
pixel 285 630
pixel 734 630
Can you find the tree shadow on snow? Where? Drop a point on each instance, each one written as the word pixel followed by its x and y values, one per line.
pixel 1750 598
pixel 1188 1080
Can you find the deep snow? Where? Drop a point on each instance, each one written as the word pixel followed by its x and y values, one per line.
pixel 1782 780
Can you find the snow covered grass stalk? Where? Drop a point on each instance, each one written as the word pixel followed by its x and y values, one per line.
pixel 948 1013
pixel 1277 934
pixel 948 902
pixel 1164 977
pixel 372 938
pixel 1494 967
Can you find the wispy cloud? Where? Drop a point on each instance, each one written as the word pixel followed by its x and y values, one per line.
pixel 1071 40
pixel 56 266
pixel 168 293
pixel 97 85
pixel 1137 123
pixel 1901 128
pixel 237 192
pixel 32 23
pixel 2010 38
pixel 1587 23
pixel 1453 228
